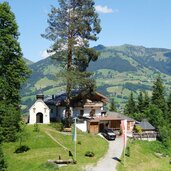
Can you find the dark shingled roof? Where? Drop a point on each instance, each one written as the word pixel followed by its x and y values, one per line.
pixel 59 98
pixel 145 125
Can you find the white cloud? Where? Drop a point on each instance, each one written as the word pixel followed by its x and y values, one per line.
pixel 45 54
pixel 78 43
pixel 105 9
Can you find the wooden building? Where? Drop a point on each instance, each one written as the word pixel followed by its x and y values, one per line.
pixel 110 120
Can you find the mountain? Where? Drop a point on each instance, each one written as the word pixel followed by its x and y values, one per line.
pixel 119 70
pixel 28 62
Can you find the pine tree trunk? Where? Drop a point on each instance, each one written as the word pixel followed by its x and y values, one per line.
pixel 69 86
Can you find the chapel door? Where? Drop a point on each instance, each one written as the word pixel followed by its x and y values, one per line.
pixel 39 118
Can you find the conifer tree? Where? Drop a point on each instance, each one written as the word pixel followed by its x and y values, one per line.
pixel 130 107
pixel 169 102
pixel 13 72
pixel 71 26
pixel 158 95
pixel 155 116
pixel 112 106
pixel 140 105
pixel 168 117
pixel 146 100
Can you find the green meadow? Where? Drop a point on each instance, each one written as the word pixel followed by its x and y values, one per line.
pixel 49 143
pixel 146 156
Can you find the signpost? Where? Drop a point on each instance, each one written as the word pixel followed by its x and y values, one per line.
pixel 74 137
pixel 124 134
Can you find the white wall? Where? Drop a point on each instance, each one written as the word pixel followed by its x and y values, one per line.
pixel 76 111
pixel 39 107
pixel 82 126
pixel 58 113
pixel 88 110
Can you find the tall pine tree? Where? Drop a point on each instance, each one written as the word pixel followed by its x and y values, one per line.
pixel 13 72
pixel 130 107
pixel 158 95
pixel 140 105
pixel 146 100
pixel 112 106
pixel 169 109
pixel 71 26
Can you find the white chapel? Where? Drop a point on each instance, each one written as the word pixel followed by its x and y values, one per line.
pixel 39 112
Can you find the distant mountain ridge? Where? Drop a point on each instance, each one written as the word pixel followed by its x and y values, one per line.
pixel 119 70
pixel 27 61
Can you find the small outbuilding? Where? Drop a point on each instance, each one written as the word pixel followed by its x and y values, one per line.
pixel 148 132
pixel 39 112
pixel 146 127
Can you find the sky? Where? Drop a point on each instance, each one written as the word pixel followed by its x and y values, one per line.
pixel 137 22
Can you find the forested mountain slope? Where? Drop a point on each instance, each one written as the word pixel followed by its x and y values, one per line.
pixel 119 70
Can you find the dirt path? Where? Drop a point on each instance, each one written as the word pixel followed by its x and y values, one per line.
pixel 111 158
pixel 65 148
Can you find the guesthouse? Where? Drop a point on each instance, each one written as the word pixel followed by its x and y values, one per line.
pixel 82 104
pixel 52 108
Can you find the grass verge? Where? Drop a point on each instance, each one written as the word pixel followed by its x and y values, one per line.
pixel 145 156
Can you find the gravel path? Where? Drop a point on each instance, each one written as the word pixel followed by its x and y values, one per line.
pixel 111 158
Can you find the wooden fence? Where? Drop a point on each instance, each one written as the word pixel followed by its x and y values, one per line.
pixel 145 136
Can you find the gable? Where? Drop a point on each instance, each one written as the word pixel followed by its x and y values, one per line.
pixel 39 104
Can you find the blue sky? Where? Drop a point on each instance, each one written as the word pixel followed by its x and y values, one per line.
pixel 137 22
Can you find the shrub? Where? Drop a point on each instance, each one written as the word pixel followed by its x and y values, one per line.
pixel 79 142
pixel 22 149
pixel 3 165
pixel 127 151
pixel 67 122
pixel 89 154
pixel 36 128
pixel 138 129
pixel 58 126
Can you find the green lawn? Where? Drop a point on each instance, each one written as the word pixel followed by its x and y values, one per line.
pixel 44 148
pixel 143 158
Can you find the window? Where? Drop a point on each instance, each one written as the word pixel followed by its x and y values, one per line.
pixel 45 110
pixel 81 112
pixel 92 112
pixel 34 110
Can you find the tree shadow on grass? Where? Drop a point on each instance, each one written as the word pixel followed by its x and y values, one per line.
pixel 117 159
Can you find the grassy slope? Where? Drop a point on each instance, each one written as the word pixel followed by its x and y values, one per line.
pixel 44 148
pixel 142 158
